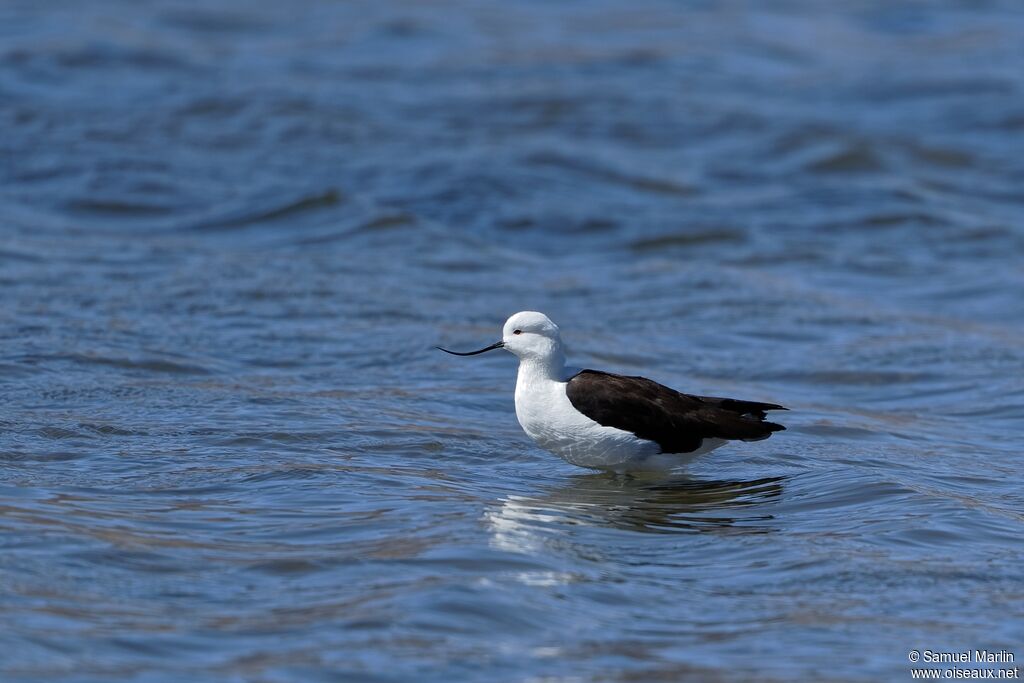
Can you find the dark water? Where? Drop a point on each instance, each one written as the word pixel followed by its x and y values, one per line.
pixel 232 231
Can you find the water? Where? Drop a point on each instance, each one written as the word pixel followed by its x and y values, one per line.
pixel 231 233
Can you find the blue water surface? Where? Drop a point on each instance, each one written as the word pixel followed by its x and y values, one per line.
pixel 231 232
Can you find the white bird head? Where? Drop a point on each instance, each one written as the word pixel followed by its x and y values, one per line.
pixel 530 336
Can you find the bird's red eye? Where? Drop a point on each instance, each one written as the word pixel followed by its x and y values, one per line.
pixel 517 331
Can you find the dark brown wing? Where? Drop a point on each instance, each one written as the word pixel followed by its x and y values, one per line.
pixel 677 422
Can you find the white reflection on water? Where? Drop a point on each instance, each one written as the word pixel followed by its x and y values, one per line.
pixel 535 524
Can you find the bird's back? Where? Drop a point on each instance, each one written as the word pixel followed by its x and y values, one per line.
pixel 677 422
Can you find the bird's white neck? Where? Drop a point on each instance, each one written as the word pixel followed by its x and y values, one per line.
pixel 550 367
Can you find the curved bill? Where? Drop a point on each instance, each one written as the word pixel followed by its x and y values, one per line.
pixel 496 345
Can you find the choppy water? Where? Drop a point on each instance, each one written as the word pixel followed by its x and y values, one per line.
pixel 231 233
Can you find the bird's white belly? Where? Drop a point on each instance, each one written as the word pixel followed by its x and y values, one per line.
pixel 549 418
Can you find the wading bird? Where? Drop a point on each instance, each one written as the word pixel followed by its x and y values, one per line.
pixel 613 422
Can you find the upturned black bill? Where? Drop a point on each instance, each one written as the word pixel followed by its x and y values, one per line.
pixel 497 345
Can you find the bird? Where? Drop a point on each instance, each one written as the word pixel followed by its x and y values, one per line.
pixel 616 423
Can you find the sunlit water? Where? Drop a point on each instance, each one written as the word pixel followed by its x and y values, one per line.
pixel 232 231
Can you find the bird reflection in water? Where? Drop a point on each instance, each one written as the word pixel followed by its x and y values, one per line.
pixel 677 505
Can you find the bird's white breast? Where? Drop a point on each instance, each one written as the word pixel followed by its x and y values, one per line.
pixel 549 418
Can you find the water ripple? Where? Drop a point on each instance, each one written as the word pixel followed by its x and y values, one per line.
pixel 231 236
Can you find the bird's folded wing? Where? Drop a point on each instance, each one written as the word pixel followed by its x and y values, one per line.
pixel 677 422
